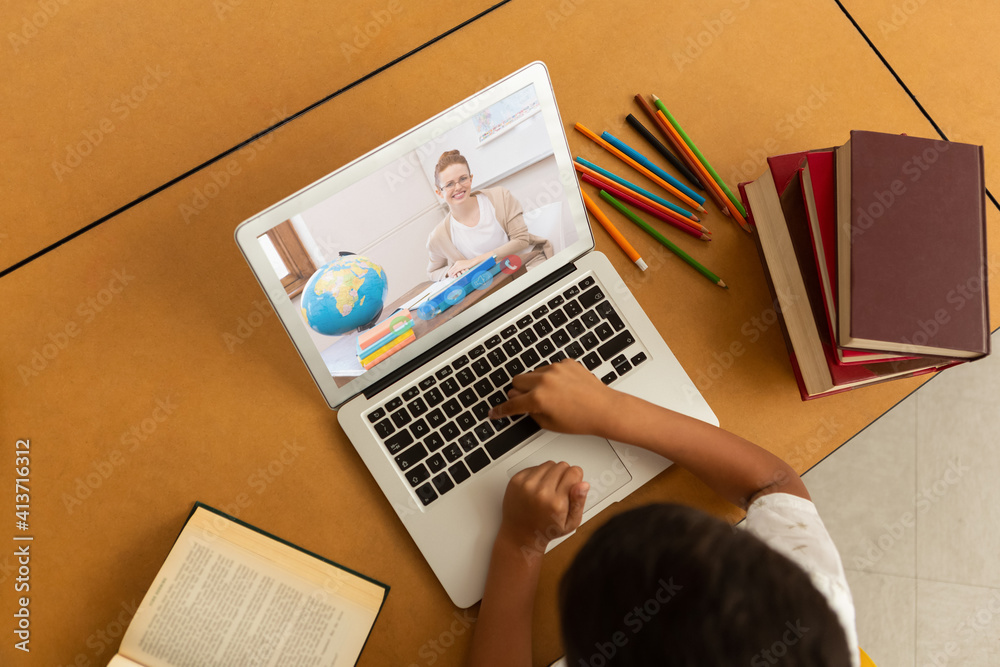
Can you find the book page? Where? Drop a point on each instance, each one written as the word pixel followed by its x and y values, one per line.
pixel 229 596
pixel 121 661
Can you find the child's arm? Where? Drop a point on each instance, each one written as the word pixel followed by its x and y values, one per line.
pixel 541 504
pixel 566 397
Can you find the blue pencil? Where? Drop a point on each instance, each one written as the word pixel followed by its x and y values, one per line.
pixel 635 188
pixel 648 164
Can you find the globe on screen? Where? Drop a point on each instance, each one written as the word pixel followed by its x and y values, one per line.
pixel 344 295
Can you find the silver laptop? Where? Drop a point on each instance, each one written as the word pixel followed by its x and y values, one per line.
pixel 412 345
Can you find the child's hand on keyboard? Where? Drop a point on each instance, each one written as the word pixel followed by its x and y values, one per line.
pixel 541 504
pixel 563 397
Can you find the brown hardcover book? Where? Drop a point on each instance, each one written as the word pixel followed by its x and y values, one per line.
pixel 911 246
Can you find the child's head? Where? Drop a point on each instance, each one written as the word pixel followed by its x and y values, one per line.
pixel 671 585
pixel 451 173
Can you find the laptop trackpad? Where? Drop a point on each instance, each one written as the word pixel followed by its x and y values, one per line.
pixel 601 465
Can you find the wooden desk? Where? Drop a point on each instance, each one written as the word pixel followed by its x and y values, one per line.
pixel 119 355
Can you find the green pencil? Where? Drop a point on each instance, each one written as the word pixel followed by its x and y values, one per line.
pixel 662 239
pixel 694 149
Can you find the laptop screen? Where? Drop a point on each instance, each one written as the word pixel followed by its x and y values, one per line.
pixel 381 259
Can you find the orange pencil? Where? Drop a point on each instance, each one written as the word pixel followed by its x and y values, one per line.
pixel 582 129
pixel 720 196
pixel 692 221
pixel 685 156
pixel 629 199
pixel 613 231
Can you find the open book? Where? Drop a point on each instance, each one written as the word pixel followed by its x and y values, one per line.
pixel 229 594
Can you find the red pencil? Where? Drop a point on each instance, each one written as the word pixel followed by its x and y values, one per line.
pixel 624 196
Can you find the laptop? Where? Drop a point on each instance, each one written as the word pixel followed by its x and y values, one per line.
pixel 357 264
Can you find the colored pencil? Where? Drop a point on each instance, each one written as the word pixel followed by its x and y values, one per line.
pixel 662 239
pixel 582 129
pixel 696 224
pixel 629 199
pixel 684 213
pixel 664 151
pixel 652 166
pixel 721 200
pixel 613 231
pixel 694 149
pixel 671 136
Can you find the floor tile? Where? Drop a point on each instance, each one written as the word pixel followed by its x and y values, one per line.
pixel 886 615
pixel 865 493
pixel 957 625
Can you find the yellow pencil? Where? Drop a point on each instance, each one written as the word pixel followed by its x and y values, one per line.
pixel 613 231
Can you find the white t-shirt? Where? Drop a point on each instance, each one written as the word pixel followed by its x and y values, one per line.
pixel 485 237
pixel 791 526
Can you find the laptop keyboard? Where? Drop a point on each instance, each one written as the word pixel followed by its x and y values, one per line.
pixel 437 430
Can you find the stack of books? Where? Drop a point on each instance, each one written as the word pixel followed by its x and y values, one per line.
pixel 385 338
pixel 875 255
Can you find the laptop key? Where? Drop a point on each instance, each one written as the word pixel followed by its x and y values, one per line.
pixel 591 296
pixel 481 410
pixel 419 428
pixel 449 386
pixel 545 347
pixel 433 397
pixel 443 372
pixel 542 327
pixel 591 319
pixel 427 494
pixel 384 428
pixel 620 359
pixel 481 367
pixel 540 311
pixel 557 357
pixel 465 420
pixel 573 308
pixel 417 474
pixel 589 340
pixel 465 377
pixel 609 378
pixel 574 351
pixel 468 397
pixel 452 408
pixel 575 328
pixel 511 437
pixel 615 345
pixel 500 424
pixel 591 361
pixel 435 463
pixel 493 341
pixel 452 452
pixel 623 368
pixel 393 404
pixel 571 292
pixel 483 387
pixel 523 322
pixel 461 361
pixel 530 358
pixel 605 308
pixel 435 418
pixel 443 483
pixel 560 337
pixel 433 442
pixel 376 415
pixel 615 321
pixel 527 337
pixel 459 472
pixel 558 318
pixel 468 442
pixel 477 460
pixel 484 432
pixel 399 442
pixel 496 357
pixel 427 382
pixel 417 407
pixel 586 282
pixel 512 347
pixel 477 351
pixel 410 456
pixel 556 302
pixel 639 358
pixel 412 392
pixel 401 417
pixel 450 431
pixel 509 331
pixel 499 377
pixel 604 331
pixel 514 367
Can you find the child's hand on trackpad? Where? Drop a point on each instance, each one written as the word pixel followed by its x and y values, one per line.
pixel 563 397
pixel 541 504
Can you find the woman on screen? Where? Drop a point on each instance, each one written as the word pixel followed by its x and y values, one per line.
pixel 480 224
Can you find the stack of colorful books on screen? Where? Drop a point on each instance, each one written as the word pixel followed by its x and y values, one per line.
pixel 875 254
pixel 385 338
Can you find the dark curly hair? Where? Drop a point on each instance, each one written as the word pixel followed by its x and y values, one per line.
pixel 671 585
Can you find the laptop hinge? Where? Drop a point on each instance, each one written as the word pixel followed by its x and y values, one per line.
pixel 469 330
